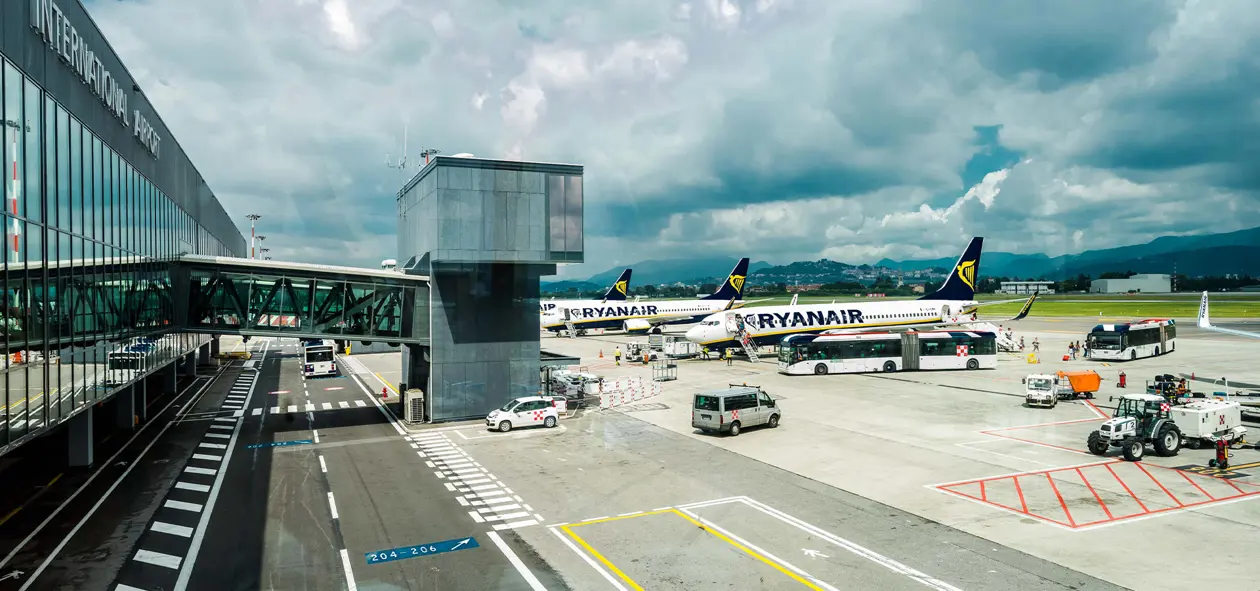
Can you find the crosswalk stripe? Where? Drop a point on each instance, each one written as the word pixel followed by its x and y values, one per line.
pixel 309 407
pixel 225 420
pixel 515 524
pixel 182 506
pixel 360 403
pixel 256 411
pixel 209 457
pixel 343 404
pixel 327 406
pixel 212 445
pixel 499 508
pixel 192 487
pixel 195 470
pixel 228 427
pixel 158 559
pixel 175 530
pixel 218 436
pixel 508 516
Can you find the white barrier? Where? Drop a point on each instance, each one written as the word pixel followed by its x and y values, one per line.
pixel 626 390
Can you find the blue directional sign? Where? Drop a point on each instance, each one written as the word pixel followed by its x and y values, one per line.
pixel 279 443
pixel 420 550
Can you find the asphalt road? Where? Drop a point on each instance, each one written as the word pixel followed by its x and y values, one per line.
pixel 201 499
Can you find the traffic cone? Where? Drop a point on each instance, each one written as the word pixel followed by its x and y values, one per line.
pixel 384 393
pixel 601 353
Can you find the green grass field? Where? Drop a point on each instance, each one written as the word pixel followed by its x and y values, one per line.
pixel 1106 306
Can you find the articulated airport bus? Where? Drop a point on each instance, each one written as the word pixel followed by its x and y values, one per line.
pixel 801 354
pixel 1147 338
pixel 318 358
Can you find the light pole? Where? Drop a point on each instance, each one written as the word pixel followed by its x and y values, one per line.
pixel 13 195
pixel 253 217
pixel 264 251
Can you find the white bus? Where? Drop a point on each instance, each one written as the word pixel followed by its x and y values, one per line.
pixel 885 351
pixel 318 358
pixel 1147 338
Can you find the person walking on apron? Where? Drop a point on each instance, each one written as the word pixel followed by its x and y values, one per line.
pixel 617 355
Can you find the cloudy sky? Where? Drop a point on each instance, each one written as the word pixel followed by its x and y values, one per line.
pixel 777 129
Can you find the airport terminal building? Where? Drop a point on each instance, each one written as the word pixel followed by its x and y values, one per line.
pixel 98 197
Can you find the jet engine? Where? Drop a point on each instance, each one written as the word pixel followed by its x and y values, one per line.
pixel 636 326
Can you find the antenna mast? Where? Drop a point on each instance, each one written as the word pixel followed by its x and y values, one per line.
pixel 403 164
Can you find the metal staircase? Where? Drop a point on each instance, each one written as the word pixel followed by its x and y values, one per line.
pixel 736 325
pixel 568 323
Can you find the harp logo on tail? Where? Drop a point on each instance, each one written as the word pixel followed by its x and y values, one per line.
pixel 737 281
pixel 967 272
pixel 620 286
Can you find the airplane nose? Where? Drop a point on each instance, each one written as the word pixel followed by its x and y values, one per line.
pixel 695 334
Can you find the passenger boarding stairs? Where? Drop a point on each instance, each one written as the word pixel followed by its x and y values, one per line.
pixel 1005 343
pixel 735 325
pixel 568 323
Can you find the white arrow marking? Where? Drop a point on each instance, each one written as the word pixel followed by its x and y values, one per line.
pixel 814 553
pixel 456 547
pixel 17 574
pixel 121 463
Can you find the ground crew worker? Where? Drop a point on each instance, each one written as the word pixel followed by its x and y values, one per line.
pixel 730 356
pixel 704 352
pixel 617 355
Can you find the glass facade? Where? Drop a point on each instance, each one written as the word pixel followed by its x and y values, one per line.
pixel 86 284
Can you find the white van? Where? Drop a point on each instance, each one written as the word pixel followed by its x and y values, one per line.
pixel 732 409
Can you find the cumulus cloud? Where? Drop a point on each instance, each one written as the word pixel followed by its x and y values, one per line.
pixel 777 129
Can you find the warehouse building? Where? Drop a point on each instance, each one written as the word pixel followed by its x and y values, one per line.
pixel 1140 283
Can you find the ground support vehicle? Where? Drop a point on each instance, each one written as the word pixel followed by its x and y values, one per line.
pixel 1140 419
pixel 1046 390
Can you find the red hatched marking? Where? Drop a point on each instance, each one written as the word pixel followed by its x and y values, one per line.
pixel 538 415
pixel 735 415
pixel 1089 497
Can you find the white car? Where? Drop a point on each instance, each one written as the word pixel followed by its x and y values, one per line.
pixel 525 412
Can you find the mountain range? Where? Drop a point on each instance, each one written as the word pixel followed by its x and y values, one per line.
pixel 1199 255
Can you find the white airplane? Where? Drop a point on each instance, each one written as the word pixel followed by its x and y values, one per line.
pixel 643 316
pixel 616 293
pixel 952 304
pixel 1206 323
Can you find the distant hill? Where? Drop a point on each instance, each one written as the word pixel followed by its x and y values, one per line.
pixel 1208 254
pixel 562 286
pixel 655 272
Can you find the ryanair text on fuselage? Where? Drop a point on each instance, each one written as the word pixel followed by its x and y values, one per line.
pixel 612 311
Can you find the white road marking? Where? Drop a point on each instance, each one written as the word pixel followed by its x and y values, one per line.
pixel 212 445
pixel 292 408
pixel 256 411
pixel 192 487
pixel 182 506
pixel 332 504
pixel 175 530
pixel 309 407
pixel 476 517
pixel 343 404
pixel 515 524
pixel 785 563
pixel 345 564
pixel 218 436
pixel 499 508
pixel 315 435
pixel 327 406
pixel 158 559
pixel 225 420
pixel 322 466
pixel 359 403
pixel 228 427
pixel 210 457
pixel 534 584
pixel 563 538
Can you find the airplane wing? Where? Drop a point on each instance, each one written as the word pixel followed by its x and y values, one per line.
pixel 965 320
pixel 1206 323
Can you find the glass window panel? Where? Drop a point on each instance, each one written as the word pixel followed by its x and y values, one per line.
pixel 111 193
pixel 98 196
pixel 573 213
pixel 76 176
pixel 49 210
pixel 64 197
pixel 14 138
pixel 555 212
pixel 33 191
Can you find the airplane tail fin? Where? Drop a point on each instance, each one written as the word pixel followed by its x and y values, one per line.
pixel 1204 321
pixel 733 287
pixel 961 283
pixel 617 292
